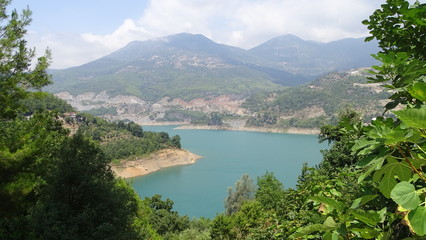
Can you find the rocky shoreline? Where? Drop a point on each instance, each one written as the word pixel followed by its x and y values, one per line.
pixel 154 162
pixel 291 130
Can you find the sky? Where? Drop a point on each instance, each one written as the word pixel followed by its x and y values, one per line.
pixel 81 31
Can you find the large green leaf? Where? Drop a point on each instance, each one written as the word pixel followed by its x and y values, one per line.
pixel 368 217
pixel 404 193
pixel 417 220
pixel 373 168
pixel 366 233
pixel 413 117
pixel 362 200
pixel 329 222
pixel 386 175
pixel 311 228
pixel 418 91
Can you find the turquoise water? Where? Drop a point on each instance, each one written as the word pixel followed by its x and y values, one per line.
pixel 199 190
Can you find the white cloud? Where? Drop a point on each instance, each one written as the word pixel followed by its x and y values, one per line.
pixel 127 32
pixel 243 23
pixel 246 23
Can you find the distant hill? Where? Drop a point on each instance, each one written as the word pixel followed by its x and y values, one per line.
pixel 298 56
pixel 189 66
pixel 317 102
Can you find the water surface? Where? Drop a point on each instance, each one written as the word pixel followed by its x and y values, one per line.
pixel 199 190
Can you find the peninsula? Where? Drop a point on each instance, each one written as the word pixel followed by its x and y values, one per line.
pixel 155 161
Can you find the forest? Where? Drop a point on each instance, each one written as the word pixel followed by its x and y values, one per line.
pixel 371 183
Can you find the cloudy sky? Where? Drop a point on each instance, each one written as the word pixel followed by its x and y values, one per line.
pixel 80 31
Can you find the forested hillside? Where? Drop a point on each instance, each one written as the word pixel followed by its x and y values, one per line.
pixel 122 140
pixel 318 102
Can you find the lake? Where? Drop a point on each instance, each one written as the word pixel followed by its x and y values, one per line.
pixel 199 190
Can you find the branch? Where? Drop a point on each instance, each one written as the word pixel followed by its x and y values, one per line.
pixel 411 165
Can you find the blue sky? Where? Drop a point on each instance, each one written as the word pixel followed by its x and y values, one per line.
pixel 80 31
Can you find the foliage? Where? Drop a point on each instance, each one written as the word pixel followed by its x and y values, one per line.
pixel 244 191
pixel 340 155
pixel 391 148
pixel 54 186
pixel 81 199
pixel 195 117
pixel 270 191
pixel 124 140
pixel 103 111
pixel 42 101
pixel 163 219
pixel 152 82
pixel 25 146
pixel 17 76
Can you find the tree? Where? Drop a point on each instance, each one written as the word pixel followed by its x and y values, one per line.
pixel 17 76
pixel 164 220
pixel 270 191
pixel 176 141
pixel 81 198
pixel 392 150
pixel 25 159
pixel 400 30
pixel 341 136
pixel 244 191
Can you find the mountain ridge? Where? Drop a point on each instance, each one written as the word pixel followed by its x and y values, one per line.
pixel 190 66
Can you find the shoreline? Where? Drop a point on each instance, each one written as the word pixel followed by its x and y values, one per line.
pixel 291 130
pixel 154 162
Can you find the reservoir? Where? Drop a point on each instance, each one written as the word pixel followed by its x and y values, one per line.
pixel 199 190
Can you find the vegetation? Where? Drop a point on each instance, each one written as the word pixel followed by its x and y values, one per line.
pixel 53 185
pixel 123 140
pixel 42 101
pixel 371 183
pixel 244 191
pixel 152 81
pixel 102 111
pixel 194 117
pixel 17 78
pixel 317 103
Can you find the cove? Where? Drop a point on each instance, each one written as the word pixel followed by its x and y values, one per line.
pixel 199 190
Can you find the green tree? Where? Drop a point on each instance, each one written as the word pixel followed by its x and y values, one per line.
pixel 25 159
pixel 81 198
pixel 341 137
pixel 244 191
pixel 391 149
pixel 270 192
pixel 176 141
pixel 164 220
pixel 17 76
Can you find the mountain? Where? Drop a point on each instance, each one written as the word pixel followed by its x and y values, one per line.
pixel 298 56
pixel 184 65
pixel 189 66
